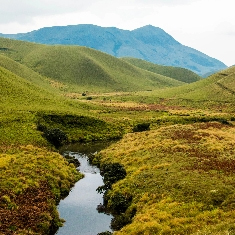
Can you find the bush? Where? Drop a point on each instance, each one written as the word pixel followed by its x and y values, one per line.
pixel 55 136
pixel 105 233
pixel 119 221
pixel 111 173
pixel 141 127
pixel 119 203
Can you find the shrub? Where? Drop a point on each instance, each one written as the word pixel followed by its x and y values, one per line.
pixel 55 136
pixel 141 127
pixel 111 173
pixel 105 233
pixel 119 221
pixel 119 203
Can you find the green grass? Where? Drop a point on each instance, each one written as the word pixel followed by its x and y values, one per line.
pixel 84 69
pixel 180 173
pixel 180 74
pixel 29 74
pixel 216 92
pixel 179 177
pixel 32 181
pixel 208 89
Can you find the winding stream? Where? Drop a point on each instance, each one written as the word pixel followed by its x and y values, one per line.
pixel 79 207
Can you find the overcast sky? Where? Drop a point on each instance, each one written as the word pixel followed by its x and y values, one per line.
pixel 205 25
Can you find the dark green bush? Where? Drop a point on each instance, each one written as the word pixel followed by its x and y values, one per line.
pixel 119 203
pixel 55 136
pixel 141 127
pixel 105 233
pixel 111 173
pixel 119 221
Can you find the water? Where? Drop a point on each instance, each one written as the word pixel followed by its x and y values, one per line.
pixel 79 207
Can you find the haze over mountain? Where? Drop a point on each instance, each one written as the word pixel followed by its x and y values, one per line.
pixel 148 43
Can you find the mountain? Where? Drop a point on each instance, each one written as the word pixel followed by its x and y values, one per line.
pixel 78 69
pixel 180 74
pixel 148 43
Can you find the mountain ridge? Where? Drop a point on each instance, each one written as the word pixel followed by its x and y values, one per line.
pixel 149 43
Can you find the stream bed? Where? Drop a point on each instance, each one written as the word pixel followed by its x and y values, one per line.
pixel 79 207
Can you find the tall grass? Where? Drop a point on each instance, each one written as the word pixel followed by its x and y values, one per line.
pixel 180 178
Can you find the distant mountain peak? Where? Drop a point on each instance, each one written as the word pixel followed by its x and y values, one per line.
pixel 148 42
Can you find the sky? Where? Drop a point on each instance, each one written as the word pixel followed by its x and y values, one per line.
pixel 205 25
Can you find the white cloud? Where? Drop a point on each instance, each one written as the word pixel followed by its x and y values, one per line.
pixel 206 25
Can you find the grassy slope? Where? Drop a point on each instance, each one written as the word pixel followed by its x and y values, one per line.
pixel 218 87
pixel 27 165
pixel 216 90
pixel 32 176
pixel 180 179
pixel 180 74
pixel 18 93
pixel 29 74
pixel 83 68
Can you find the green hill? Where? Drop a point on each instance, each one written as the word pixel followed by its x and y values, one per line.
pixel 27 73
pixel 18 93
pixel 81 68
pixel 219 87
pixel 180 74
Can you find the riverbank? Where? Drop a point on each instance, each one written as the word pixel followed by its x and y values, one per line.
pixel 33 180
pixel 33 175
pixel 180 180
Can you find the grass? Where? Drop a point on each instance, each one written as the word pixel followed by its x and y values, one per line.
pixel 180 174
pixel 33 182
pixel 82 69
pixel 180 178
pixel 180 74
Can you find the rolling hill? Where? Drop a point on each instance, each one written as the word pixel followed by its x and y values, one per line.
pixel 219 87
pixel 80 68
pixel 17 93
pixel 180 74
pixel 148 43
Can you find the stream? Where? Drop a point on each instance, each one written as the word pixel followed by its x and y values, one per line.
pixel 79 207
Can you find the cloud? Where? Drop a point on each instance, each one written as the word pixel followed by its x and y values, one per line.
pixel 25 10
pixel 204 25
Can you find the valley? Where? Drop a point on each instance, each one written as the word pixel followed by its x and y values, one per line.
pixel 174 137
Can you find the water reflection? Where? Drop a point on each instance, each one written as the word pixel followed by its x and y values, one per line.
pixel 79 208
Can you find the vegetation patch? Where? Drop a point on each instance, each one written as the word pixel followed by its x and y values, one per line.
pixel 141 127
pixel 29 211
pixel 34 180
pixel 179 178
pixel 58 128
